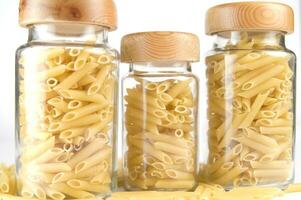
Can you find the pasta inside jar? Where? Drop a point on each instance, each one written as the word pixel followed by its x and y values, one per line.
pixel 67 83
pixel 160 105
pixel 251 112
pixel 66 117
pixel 251 95
pixel 160 134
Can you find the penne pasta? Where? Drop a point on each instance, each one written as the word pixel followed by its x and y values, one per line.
pixel 75 77
pixel 158 121
pixel 66 132
pixel 65 189
pixel 249 98
pixel 100 79
pixel 86 110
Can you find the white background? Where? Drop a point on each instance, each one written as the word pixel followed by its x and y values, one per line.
pixel 133 16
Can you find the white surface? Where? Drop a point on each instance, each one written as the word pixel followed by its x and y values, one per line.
pixel 134 16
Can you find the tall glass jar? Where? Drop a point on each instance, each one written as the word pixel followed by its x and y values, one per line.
pixel 160 105
pixel 251 95
pixel 66 82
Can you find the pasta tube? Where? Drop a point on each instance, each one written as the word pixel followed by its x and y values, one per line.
pixel 66 126
pixel 250 105
pixel 161 135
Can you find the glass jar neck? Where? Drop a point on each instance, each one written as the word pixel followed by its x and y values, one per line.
pixel 68 33
pixel 249 40
pixel 160 67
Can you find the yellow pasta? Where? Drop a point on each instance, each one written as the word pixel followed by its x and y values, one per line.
pixel 66 131
pixel 293 188
pixel 160 127
pixel 75 187
pixel 33 151
pixel 82 96
pixel 81 60
pixel 93 160
pixel 53 72
pixel 58 103
pixel 52 167
pixel 75 114
pixel 75 77
pixel 84 121
pixel 100 79
pixel 49 155
pixel 266 75
pixel 250 96
pixel 7 180
pixel 75 193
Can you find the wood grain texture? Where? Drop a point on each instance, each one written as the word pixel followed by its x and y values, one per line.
pixel 160 46
pixel 250 16
pixel 94 12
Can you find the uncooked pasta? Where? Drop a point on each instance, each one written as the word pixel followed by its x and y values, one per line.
pixel 66 117
pixel 160 134
pixel 250 110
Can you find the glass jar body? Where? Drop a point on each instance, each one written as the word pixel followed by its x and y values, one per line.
pixel 251 110
pixel 66 113
pixel 160 127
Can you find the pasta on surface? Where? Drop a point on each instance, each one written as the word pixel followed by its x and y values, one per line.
pixel 7 179
pixel 204 191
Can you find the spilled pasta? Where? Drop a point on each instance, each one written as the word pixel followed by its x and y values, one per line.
pixel 160 127
pixel 204 191
pixel 66 117
pixel 7 179
pixel 251 116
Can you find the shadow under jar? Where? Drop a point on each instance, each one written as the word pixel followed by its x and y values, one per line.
pixel 160 99
pixel 251 96
pixel 66 77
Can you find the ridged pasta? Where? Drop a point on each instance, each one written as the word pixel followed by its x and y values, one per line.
pixel 160 127
pixel 249 99
pixel 66 134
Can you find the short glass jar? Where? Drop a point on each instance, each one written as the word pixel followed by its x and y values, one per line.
pixel 66 78
pixel 160 105
pixel 251 96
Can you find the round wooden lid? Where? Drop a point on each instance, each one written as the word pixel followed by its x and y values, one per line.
pixel 93 12
pixel 250 16
pixel 160 46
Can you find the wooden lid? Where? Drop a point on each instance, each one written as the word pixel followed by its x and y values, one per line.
pixel 250 16
pixel 160 46
pixel 93 12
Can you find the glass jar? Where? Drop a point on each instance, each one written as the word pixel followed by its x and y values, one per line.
pixel 160 105
pixel 251 96
pixel 66 78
